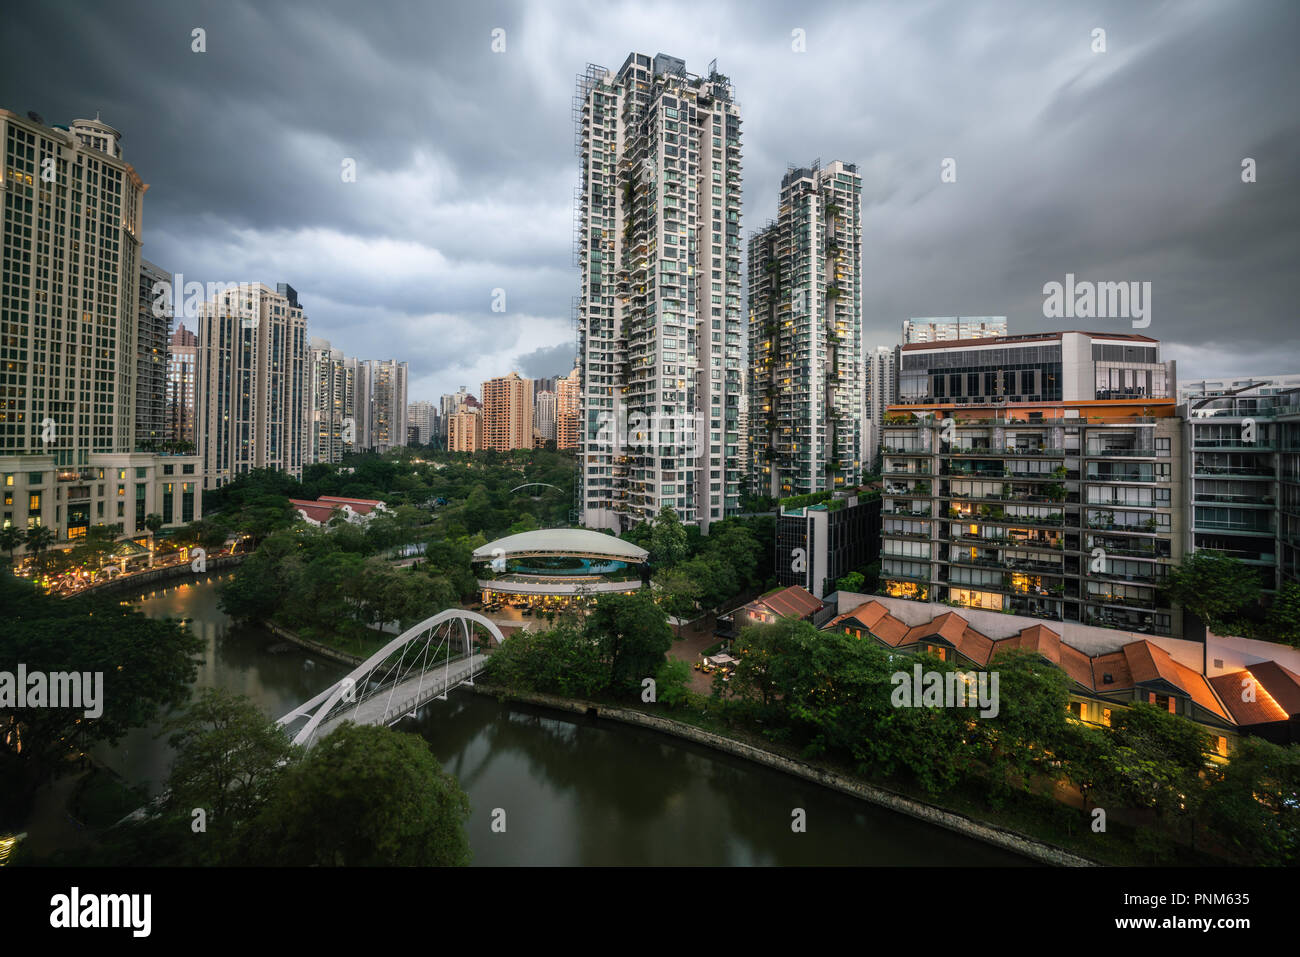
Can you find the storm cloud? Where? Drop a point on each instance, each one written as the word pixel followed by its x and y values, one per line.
pixel 1122 165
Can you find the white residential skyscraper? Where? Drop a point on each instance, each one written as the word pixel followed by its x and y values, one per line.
pixel 424 417
pixel 659 316
pixel 881 392
pixel 379 403
pixel 253 382
pixel 332 419
pixel 544 415
pixel 805 335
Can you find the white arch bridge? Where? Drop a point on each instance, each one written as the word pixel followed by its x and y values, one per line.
pixel 422 663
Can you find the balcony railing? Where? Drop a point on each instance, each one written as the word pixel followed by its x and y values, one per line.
pixel 1248 527
pixel 1102 453
pixel 1245 554
pixel 1199 469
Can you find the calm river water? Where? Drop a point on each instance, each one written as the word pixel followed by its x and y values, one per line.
pixel 571 790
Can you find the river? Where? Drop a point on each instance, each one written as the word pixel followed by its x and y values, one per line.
pixel 570 790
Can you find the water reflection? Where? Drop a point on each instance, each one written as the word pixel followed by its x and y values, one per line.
pixel 574 790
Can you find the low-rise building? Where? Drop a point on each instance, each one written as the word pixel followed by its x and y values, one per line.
pixel 819 542
pixel 358 511
pixel 117 489
pixel 1104 677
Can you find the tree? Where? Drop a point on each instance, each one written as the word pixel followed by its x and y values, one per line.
pixel 229 758
pixel 153 521
pixel 10 538
pixel 633 637
pixel 1030 724
pixel 364 796
pixel 1214 587
pixel 563 660
pixel 852 582
pixel 667 539
pixel 140 666
pixel 1283 620
pixel 1156 763
pixel 1254 805
pixel 678 593
pixel 37 539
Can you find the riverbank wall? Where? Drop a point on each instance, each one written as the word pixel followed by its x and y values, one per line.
pixel 138 582
pixel 325 651
pixel 988 833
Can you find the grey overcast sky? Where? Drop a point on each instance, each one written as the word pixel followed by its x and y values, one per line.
pixel 1123 165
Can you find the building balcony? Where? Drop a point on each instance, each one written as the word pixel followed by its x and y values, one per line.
pixel 1114 453
pixel 1247 470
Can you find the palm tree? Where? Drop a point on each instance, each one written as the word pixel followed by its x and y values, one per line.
pixel 153 521
pixel 37 539
pixel 10 538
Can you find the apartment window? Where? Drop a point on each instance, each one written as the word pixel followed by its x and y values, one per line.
pixel 1162 446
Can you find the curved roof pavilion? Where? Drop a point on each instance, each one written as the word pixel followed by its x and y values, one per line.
pixel 572 542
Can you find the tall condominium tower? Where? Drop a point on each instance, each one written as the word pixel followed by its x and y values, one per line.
pixel 388 403
pixel 465 427
pixel 805 335
pixel 659 315
pixel 544 416
pixel 881 392
pixel 567 410
pixel 75 334
pixel 424 416
pixel 182 375
pixel 151 344
pixel 71 263
pixel 253 380
pixel 379 403
pixel 952 328
pixel 332 390
pixel 508 413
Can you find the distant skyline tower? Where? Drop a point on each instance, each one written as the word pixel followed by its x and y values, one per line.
pixel 423 416
pixel 805 335
pixel 508 413
pixel 544 416
pixel 659 316
pixel 253 382
pixel 567 410
pixel 881 392
pixel 332 418
pixel 182 377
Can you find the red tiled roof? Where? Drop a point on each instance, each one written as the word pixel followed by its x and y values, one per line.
pixel 1114 664
pixel 866 615
pixel 362 506
pixel 314 510
pixel 1138 662
pixel 1148 662
pixel 1282 684
pixel 791 602
pixel 975 645
pixel 1231 688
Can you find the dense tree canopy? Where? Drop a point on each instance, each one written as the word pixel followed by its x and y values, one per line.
pixel 364 796
pixel 146 664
